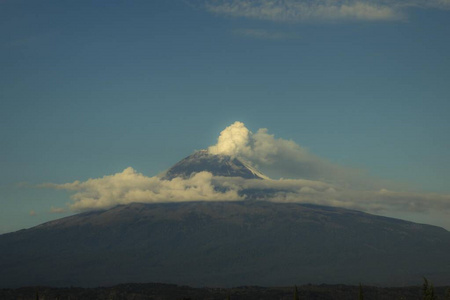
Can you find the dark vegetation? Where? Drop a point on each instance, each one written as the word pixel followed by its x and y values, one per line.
pixel 159 291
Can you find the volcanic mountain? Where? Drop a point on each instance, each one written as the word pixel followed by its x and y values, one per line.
pixel 229 243
pixel 217 164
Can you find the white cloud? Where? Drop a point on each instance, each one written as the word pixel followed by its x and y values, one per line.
pixel 130 186
pixel 330 10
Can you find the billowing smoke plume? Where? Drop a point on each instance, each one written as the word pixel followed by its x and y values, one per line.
pixel 233 141
pixel 284 158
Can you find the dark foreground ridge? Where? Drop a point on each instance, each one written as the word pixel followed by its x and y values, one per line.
pixel 225 244
pixel 159 291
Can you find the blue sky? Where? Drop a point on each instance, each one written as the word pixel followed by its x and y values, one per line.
pixel 89 88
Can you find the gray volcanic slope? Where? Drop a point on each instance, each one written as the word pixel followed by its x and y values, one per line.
pixel 225 244
pixel 218 165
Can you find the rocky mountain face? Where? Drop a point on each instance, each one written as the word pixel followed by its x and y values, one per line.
pixel 225 244
pixel 218 165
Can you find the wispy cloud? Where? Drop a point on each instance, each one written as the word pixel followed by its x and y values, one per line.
pixel 321 193
pixel 298 11
pixel 265 34
pixel 57 210
pixel 326 10
pixel 438 4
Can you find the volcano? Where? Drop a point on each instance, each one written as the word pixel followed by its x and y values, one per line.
pixel 224 244
pixel 216 164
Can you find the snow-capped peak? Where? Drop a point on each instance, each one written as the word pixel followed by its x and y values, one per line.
pixel 217 164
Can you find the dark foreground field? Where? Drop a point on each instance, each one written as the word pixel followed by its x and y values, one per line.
pixel 159 291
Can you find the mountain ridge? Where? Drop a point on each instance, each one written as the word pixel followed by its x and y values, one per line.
pixel 225 244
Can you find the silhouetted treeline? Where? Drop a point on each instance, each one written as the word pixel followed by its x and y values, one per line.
pixel 158 291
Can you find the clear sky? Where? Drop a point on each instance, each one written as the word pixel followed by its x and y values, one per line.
pixel 89 88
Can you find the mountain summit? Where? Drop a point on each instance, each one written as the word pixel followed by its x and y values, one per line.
pixel 217 164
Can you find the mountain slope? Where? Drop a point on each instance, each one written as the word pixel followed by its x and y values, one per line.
pixel 218 165
pixel 225 244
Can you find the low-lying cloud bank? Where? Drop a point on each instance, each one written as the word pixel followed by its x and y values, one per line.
pixel 322 10
pixel 130 186
pixel 316 181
